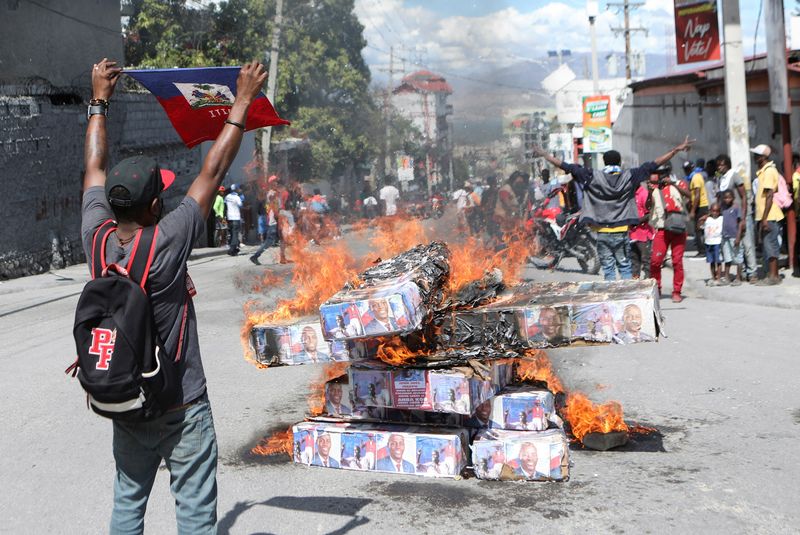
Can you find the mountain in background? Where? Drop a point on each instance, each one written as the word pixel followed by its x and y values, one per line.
pixel 482 94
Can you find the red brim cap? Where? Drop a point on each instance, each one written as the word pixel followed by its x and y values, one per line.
pixel 167 178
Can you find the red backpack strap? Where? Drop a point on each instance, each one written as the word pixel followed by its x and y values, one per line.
pixel 141 257
pixel 98 259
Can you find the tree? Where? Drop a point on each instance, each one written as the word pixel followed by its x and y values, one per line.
pixel 323 81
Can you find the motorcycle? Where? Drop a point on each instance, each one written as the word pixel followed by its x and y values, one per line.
pixel 561 237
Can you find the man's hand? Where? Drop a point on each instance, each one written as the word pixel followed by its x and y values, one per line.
pixel 539 151
pixel 250 81
pixel 764 226
pixel 686 145
pixel 104 78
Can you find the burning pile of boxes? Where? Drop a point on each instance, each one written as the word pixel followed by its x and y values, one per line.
pixel 452 402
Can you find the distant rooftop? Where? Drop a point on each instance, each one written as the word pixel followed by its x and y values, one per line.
pixel 425 82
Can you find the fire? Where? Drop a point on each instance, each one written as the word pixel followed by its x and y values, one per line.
pixel 586 417
pixel 280 442
pixel 471 259
pixel 396 353
pixel 536 366
pixel 316 396
pixel 394 235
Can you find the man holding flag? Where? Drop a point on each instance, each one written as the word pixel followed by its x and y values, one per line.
pixel 184 435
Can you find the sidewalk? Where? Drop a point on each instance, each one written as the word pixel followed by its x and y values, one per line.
pixel 785 295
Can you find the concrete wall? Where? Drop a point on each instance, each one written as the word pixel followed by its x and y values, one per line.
pixel 41 172
pixel 649 125
pixel 57 40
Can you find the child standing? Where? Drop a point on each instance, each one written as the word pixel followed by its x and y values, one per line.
pixel 712 232
pixel 732 232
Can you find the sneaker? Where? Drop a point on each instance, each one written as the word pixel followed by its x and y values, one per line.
pixel 736 282
pixel 254 260
pixel 676 297
pixel 768 281
pixel 724 281
pixel 712 282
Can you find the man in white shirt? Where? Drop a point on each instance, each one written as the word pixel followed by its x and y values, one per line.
pixel 233 205
pixel 389 196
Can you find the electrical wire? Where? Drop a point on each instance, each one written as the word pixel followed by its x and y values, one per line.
pixel 75 19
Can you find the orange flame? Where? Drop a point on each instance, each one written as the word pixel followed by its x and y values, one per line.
pixel 280 442
pixel 471 259
pixel 316 396
pixel 393 351
pixel 586 417
pixel 394 235
pixel 536 366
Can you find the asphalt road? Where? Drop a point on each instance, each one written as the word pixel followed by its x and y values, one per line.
pixel 722 389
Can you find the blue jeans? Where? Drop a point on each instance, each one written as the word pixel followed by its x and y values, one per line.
pixel 234 226
pixel 270 240
pixel 748 246
pixel 186 440
pixel 614 250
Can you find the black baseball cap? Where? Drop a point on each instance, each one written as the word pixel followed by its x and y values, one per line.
pixel 142 179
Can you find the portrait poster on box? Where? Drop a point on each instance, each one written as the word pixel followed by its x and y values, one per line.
pixel 596 322
pixel 358 451
pixel 489 458
pixel 532 459
pixel 327 449
pixel 307 344
pixel 396 452
pixel 337 399
pixel 411 389
pixel 435 456
pixel 525 413
pixel 377 317
pixel 341 321
pixel 635 322
pixel 303 447
pixel 546 326
pixel 371 388
pixel 450 393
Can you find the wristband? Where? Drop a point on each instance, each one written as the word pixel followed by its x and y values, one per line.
pixel 96 109
pixel 234 123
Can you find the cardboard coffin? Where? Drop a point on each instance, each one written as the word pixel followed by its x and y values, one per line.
pixel 379 447
pixel 521 455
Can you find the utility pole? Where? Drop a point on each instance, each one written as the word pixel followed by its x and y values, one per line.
pixel 626 30
pixel 387 110
pixel 592 9
pixel 266 133
pixel 735 88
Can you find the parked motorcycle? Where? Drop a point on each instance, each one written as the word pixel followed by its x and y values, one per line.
pixel 562 237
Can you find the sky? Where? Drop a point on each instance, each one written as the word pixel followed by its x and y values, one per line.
pixel 466 35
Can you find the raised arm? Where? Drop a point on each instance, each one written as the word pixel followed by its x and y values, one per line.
pixel 220 157
pixel 541 153
pixel 664 158
pixel 104 78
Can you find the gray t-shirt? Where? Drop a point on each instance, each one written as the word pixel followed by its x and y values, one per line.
pixel 731 181
pixel 167 281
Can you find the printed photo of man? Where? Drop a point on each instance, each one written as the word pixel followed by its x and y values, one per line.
pixel 525 464
pixel 382 321
pixel 322 455
pixel 632 327
pixel 311 351
pixel 333 401
pixel 395 462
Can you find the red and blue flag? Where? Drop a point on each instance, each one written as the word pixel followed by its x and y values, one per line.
pixel 198 101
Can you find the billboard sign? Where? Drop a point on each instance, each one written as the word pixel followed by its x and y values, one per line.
pixel 696 31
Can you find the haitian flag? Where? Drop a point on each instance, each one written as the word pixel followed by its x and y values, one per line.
pixel 197 101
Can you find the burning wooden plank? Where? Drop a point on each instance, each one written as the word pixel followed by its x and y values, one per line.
pixel 395 296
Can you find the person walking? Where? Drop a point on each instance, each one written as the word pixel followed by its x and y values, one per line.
pixel 641 235
pixel 183 437
pixel 668 217
pixel 609 204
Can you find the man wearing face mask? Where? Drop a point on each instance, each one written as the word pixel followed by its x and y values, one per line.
pixel 130 194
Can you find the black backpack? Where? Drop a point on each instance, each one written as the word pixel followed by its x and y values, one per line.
pixel 122 364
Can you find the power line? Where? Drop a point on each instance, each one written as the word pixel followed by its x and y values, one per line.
pixel 75 19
